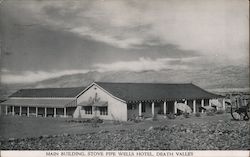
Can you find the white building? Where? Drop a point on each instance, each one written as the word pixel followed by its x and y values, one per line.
pixel 110 101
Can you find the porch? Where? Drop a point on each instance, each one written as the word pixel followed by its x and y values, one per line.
pixel 30 111
pixel 147 109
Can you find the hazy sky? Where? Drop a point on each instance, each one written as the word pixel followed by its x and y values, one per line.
pixel 44 39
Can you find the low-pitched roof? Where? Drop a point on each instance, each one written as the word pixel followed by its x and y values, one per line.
pixel 49 92
pixel 126 91
pixel 155 91
pixel 38 102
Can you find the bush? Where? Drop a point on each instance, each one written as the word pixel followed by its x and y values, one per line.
pixel 137 120
pixel 197 114
pixel 219 112
pixel 171 116
pixel 186 115
pixel 210 113
pixel 116 122
pixel 95 121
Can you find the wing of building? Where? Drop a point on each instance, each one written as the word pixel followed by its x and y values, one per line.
pixel 110 101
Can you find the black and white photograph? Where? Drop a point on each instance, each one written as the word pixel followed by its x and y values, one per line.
pixel 116 75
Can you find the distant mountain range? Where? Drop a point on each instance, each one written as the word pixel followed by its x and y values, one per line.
pixel 220 79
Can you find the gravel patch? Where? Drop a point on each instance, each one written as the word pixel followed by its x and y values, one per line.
pixel 224 135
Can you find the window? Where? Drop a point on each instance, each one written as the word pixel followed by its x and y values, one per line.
pixel 88 109
pixel 131 106
pixel 103 110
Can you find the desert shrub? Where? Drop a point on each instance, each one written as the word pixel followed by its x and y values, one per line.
pixel 171 116
pixel 210 113
pixel 137 120
pixel 95 121
pixel 79 120
pixel 220 112
pixel 197 114
pixel 186 115
pixel 116 122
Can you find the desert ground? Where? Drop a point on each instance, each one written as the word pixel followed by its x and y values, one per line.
pixel 207 132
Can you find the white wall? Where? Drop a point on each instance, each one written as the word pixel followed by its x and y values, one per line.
pixel 117 110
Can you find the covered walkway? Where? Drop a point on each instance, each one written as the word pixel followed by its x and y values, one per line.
pixel 53 107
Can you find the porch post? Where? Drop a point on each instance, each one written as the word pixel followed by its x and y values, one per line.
pixel 20 110
pixel 223 104
pixel 140 109
pixel 36 111
pixel 194 106
pixel 45 112
pixel 164 108
pixel 28 111
pixel 202 105
pixel 175 107
pixel 55 112
pixel 6 110
pixel 153 109
pixel 13 110
pixel 185 102
pixel 216 105
pixel 65 112
pixel 210 103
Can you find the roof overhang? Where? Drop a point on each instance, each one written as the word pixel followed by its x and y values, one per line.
pixel 60 103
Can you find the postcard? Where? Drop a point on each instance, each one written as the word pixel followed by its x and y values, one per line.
pixel 151 78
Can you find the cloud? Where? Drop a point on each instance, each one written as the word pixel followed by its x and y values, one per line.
pixel 141 65
pixel 31 77
pixel 4 70
pixel 218 31
pixel 215 29
pixel 109 39
pixel 145 64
